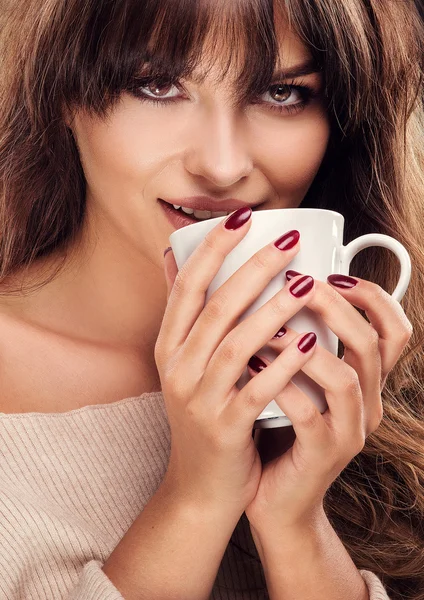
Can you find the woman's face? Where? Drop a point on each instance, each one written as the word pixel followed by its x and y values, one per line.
pixel 176 142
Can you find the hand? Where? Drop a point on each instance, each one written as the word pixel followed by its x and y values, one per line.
pixel 201 352
pixel 293 485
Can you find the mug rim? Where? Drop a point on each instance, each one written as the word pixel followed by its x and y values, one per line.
pixel 309 208
pixel 175 233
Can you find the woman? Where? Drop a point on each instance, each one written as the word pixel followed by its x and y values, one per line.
pixel 115 482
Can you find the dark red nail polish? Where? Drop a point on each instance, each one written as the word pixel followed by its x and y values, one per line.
pixel 288 240
pixel 307 342
pixel 302 286
pixel 280 333
pixel 167 250
pixel 342 281
pixel 238 218
pixel 256 363
pixel 290 274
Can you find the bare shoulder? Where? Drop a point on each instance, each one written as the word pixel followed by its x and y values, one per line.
pixel 43 371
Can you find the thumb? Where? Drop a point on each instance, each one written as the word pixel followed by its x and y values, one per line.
pixel 171 270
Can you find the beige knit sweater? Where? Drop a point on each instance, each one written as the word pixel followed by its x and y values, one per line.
pixel 72 483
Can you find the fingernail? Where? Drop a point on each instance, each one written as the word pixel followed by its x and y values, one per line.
pixel 302 286
pixel 280 333
pixel 288 240
pixel 307 342
pixel 256 363
pixel 167 250
pixel 238 218
pixel 342 281
pixel 290 274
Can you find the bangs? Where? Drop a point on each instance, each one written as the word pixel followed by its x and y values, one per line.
pixel 89 52
pixel 170 38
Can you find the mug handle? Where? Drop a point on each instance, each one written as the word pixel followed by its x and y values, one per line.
pixel 379 239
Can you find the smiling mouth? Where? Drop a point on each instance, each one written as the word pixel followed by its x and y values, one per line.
pixel 197 215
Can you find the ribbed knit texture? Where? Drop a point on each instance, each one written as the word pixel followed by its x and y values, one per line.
pixel 71 484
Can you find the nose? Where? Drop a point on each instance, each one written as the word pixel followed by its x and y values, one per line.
pixel 217 148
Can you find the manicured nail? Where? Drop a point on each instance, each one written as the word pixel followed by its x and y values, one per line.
pixel 288 240
pixel 238 218
pixel 290 274
pixel 167 250
pixel 302 286
pixel 342 281
pixel 280 333
pixel 307 342
pixel 256 363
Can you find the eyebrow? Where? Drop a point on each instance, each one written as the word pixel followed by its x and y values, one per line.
pixel 308 67
pixel 305 68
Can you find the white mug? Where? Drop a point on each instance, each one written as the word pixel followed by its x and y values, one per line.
pixel 321 253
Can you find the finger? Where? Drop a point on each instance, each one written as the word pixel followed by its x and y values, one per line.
pixel 310 429
pixel 359 337
pixel 346 412
pixel 384 312
pixel 339 315
pixel 171 270
pixel 234 297
pixel 245 407
pixel 232 354
pixel 187 297
pixel 309 426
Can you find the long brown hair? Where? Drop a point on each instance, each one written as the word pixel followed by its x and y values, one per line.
pixel 56 55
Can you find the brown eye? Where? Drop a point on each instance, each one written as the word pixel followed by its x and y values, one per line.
pixel 280 92
pixel 157 89
pixel 283 95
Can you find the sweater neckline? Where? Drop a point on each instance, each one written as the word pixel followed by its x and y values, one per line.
pixel 82 409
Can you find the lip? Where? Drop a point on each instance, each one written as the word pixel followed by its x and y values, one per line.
pixel 207 203
pixel 177 218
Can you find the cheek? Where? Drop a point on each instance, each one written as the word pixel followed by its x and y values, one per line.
pixel 123 153
pixel 291 154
